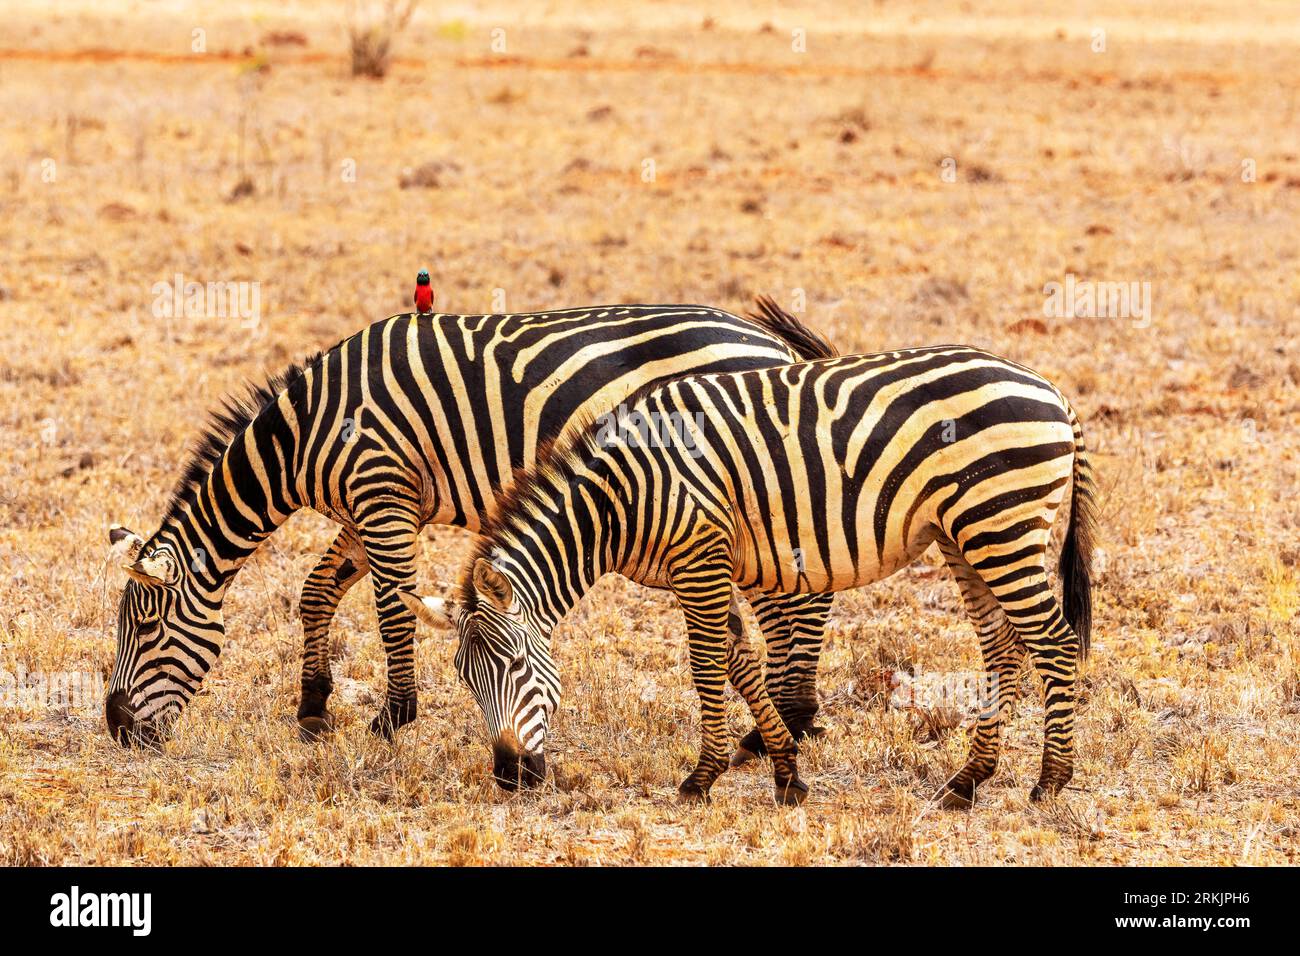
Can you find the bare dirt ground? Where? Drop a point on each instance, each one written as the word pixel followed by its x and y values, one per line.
pixel 918 175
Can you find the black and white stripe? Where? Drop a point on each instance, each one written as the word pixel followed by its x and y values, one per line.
pixel 416 419
pixel 801 480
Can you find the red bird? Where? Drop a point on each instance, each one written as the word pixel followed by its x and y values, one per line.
pixel 423 292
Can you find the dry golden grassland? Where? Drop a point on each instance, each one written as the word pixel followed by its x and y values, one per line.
pixel 1170 157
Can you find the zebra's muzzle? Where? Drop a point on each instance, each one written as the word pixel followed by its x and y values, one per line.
pixel 120 717
pixel 513 771
pixel 124 728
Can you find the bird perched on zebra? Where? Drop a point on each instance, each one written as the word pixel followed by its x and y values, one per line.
pixel 416 419
pixel 805 479
pixel 424 296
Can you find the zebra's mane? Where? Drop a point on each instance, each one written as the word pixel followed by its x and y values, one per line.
pixel 225 423
pixel 554 466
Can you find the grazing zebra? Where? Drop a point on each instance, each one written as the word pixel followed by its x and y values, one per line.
pixel 805 479
pixel 414 420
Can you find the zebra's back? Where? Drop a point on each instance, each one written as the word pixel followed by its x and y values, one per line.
pixel 461 401
pixel 834 474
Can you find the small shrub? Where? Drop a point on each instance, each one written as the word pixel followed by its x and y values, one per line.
pixel 371 31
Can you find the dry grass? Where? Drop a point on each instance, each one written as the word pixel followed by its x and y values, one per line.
pixel 774 171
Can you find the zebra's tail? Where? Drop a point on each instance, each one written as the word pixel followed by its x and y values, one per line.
pixel 803 341
pixel 1076 553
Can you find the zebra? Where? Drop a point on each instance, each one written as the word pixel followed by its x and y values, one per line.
pixel 804 479
pixel 415 419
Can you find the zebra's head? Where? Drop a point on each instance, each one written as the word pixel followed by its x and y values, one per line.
pixel 504 658
pixel 168 634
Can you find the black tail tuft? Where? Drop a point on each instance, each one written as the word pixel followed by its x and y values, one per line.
pixel 1076 553
pixel 805 343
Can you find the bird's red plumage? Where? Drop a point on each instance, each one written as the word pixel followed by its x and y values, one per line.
pixel 424 298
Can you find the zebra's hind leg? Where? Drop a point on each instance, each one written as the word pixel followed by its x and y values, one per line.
pixel 793 629
pixel 342 566
pixel 389 530
pixel 1054 649
pixel 1004 656
pixel 746 675
pixel 1016 577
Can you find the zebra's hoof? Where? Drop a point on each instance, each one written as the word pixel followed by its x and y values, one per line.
pixel 382 726
pixel 1048 787
pixel 803 728
pixel 691 793
pixel 393 717
pixel 958 797
pixel 792 793
pixel 314 729
pixel 751 747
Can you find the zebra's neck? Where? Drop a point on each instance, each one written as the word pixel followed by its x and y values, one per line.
pixel 244 495
pixel 562 539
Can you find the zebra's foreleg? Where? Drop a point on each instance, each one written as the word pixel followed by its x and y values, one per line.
pixel 793 629
pixel 703 589
pixel 746 675
pixel 389 531
pixel 339 568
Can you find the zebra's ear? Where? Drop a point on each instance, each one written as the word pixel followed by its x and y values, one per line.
pixel 125 542
pixel 436 612
pixel 154 569
pixel 492 584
